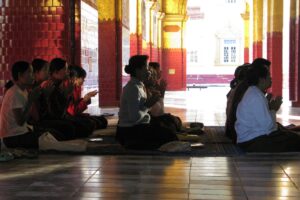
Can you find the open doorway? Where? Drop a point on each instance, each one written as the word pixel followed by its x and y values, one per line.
pixel 214 41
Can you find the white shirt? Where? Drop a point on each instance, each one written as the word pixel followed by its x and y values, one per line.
pixel 13 98
pixel 253 116
pixel 132 108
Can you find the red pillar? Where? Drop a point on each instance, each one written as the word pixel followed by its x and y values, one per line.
pixel 136 42
pixel 257 49
pixel 110 56
pixel 274 43
pixel 33 29
pixel 294 75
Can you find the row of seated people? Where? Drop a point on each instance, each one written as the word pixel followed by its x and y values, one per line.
pixel 55 104
pixel 251 112
pixel 52 104
pixel 46 96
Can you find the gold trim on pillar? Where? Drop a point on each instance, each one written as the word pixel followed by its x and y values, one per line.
pixel 275 16
pixel 172 31
pixel 257 20
pixel 107 10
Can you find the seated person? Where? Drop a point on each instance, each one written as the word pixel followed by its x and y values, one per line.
pixel 157 86
pixel 15 109
pixel 238 89
pixel 40 71
pixel 135 129
pixel 77 104
pixel 56 94
pixel 255 125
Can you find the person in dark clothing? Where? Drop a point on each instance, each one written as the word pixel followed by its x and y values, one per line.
pixel 56 95
pixel 78 105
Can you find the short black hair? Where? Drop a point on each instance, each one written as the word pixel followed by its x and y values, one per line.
pixel 239 74
pixel 38 64
pixel 19 68
pixel 261 61
pixel 255 73
pixel 136 62
pixel 56 64
pixel 77 72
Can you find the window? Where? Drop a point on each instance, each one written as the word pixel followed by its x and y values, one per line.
pixel 226 55
pixel 193 56
pixel 229 52
pixel 230 1
pixel 233 54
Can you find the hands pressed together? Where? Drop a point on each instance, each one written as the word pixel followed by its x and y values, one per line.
pixel 274 102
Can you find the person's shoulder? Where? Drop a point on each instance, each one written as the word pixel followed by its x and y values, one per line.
pixel 130 88
pixel 13 93
pixel 13 90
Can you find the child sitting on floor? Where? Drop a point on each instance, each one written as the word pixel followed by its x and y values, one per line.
pixel 15 110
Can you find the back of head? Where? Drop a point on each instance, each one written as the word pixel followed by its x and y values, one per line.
pixel 76 71
pixel 56 64
pixel 19 68
pixel 239 74
pixel 241 71
pixel 136 62
pixel 38 64
pixel 261 61
pixel 256 72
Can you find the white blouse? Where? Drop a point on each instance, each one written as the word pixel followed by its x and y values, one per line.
pixel 253 116
pixel 132 107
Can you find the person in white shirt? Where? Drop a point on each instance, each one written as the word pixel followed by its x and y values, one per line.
pixel 135 129
pixel 255 125
pixel 16 107
pixel 15 111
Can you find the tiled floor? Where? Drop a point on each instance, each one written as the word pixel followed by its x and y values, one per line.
pixel 257 177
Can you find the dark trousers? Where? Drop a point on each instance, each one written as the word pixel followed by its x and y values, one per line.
pixel 281 140
pixel 83 126
pixel 29 140
pixel 66 129
pixel 60 129
pixel 99 122
pixel 144 136
pixel 168 121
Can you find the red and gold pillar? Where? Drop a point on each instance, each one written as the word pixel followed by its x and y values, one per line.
pixel 161 16
pixel 257 28
pixel 173 49
pixel 274 43
pixel 174 52
pixel 246 18
pixel 110 52
pixel 294 75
